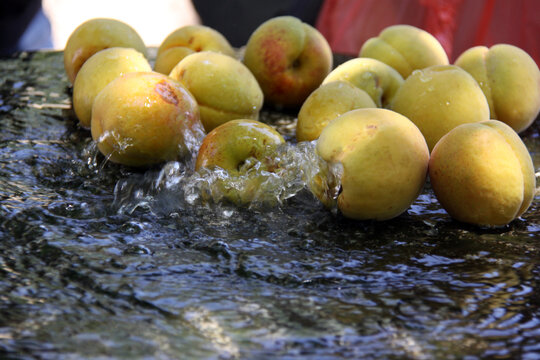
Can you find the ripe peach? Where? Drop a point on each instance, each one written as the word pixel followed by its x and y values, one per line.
pixel 168 59
pixel 325 104
pixel 289 58
pixel 230 146
pixel 187 40
pixel 376 78
pixel 144 118
pixel 94 35
pixel 439 98
pixel 233 142
pixel 224 88
pixel 510 80
pixel 100 69
pixel 405 48
pixel 384 158
pixel 482 173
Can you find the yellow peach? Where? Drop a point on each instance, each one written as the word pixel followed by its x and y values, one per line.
pixel 168 59
pixel 510 80
pixel 100 69
pixel 482 173
pixel 376 78
pixel 224 88
pixel 231 146
pixel 289 58
pixel 325 104
pixel 187 40
pixel 439 98
pixel 94 35
pixel 405 48
pixel 145 118
pixel 384 160
pixel 233 142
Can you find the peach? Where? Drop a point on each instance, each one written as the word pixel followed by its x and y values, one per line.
pixel 187 40
pixel 231 146
pixel 94 35
pixel 482 173
pixel 144 118
pixel 510 80
pixel 384 160
pixel 232 143
pixel 376 78
pixel 168 59
pixel 325 104
pixel 289 58
pixel 224 88
pixel 439 98
pixel 100 69
pixel 405 48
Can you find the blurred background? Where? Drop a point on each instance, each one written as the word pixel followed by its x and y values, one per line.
pixel 346 24
pixel 47 24
pixel 153 20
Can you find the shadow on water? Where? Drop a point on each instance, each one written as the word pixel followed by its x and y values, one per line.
pixel 98 260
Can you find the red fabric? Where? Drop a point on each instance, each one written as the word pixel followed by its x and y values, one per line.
pixel 440 20
pixel 457 24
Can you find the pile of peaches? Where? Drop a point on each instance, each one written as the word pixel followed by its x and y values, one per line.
pixel 391 117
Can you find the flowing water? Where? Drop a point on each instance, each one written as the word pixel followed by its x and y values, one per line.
pixel 101 261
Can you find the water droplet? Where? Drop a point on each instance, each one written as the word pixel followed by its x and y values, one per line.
pixel 422 76
pixel 228 213
pixel 18 84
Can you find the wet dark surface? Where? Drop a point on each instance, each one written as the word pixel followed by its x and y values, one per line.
pixel 96 261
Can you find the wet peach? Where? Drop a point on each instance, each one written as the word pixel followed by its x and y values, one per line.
pixel 289 58
pixel 94 35
pixel 379 80
pixel 187 40
pixel 482 173
pixel 405 48
pixel 510 80
pixel 224 88
pixel 439 98
pixel 100 69
pixel 233 146
pixel 325 104
pixel 144 118
pixel 384 160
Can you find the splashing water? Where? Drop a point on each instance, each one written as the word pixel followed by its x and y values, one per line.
pixel 293 168
pixel 537 176
pixel 422 75
pixel 192 137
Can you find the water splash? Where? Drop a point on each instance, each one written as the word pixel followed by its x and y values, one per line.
pixel 293 168
pixel 201 319
pixel 91 155
pixel 192 137
pixel 422 75
pixel 537 176
pixel 368 75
